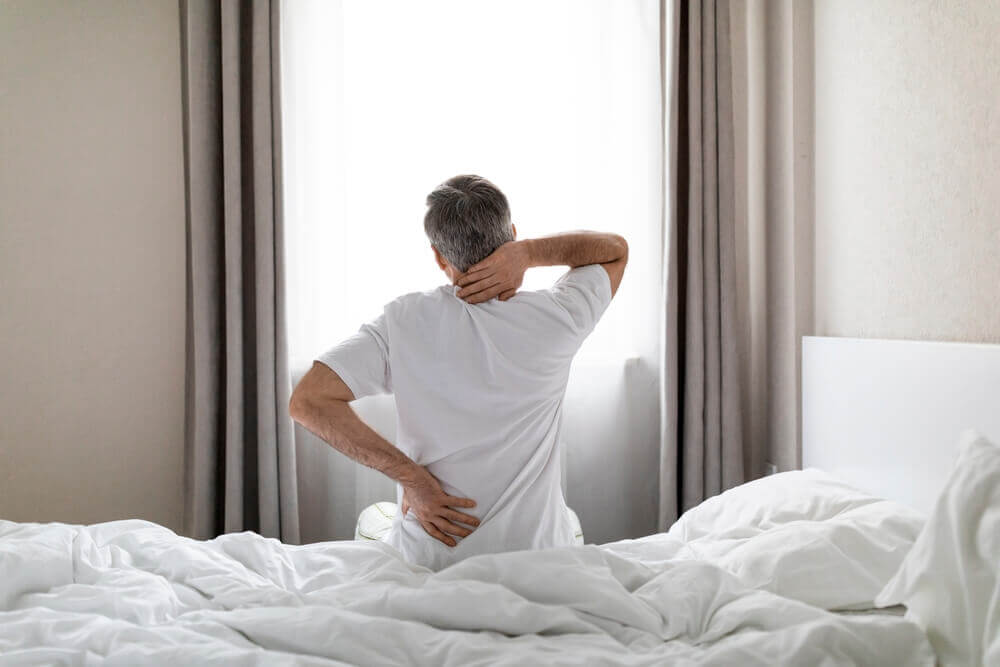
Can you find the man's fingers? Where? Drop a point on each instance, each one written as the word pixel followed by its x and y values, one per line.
pixel 462 517
pixel 455 501
pixel 451 528
pixel 434 532
pixel 486 294
pixel 479 286
pixel 479 293
pixel 405 507
pixel 506 295
pixel 472 275
pixel 480 266
pixel 467 283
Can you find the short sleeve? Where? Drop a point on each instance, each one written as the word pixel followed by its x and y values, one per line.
pixel 362 361
pixel 584 292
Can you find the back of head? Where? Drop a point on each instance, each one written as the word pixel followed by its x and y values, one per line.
pixel 467 219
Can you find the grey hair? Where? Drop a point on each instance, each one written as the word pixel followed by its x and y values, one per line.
pixel 467 219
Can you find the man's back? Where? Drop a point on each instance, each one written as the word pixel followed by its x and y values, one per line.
pixel 479 392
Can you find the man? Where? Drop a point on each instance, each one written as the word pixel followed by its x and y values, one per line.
pixel 478 370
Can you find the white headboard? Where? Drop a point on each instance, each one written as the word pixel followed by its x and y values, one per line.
pixel 886 415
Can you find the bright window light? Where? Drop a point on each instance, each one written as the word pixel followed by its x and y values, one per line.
pixel 558 102
pixel 554 101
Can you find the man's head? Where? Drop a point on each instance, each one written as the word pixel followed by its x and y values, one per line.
pixel 467 219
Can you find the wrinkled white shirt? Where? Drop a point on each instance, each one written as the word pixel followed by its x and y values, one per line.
pixel 479 391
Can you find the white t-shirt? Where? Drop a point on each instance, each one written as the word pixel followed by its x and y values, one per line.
pixel 479 391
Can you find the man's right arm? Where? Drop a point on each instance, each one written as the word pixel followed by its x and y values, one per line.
pixel 320 404
pixel 502 272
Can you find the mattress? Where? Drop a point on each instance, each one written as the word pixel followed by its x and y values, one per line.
pixel 772 572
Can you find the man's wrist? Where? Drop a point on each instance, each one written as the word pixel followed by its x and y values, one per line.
pixel 532 253
pixel 411 474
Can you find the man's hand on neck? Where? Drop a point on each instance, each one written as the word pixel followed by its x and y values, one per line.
pixel 501 274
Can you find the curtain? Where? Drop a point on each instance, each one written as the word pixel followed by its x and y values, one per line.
pixel 240 456
pixel 738 220
pixel 703 442
pixel 385 100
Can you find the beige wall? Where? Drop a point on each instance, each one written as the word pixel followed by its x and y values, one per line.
pixel 91 261
pixel 873 185
pixel 907 177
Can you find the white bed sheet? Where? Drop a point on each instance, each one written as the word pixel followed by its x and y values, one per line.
pixel 744 579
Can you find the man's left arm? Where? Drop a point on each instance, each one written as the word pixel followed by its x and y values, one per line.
pixel 320 404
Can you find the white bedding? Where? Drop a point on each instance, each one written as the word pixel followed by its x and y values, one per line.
pixel 950 579
pixel 743 579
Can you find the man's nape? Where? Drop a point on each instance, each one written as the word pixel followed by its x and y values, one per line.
pixel 449 269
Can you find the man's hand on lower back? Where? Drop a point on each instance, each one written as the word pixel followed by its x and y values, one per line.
pixel 499 275
pixel 435 509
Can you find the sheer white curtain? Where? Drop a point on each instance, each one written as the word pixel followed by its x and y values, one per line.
pixel 558 103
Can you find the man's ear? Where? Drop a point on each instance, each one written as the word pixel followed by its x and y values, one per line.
pixel 441 262
pixel 513 228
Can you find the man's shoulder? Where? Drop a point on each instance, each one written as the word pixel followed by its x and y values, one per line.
pixel 586 280
pixel 421 300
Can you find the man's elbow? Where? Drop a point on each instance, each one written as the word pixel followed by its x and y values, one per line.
pixel 298 405
pixel 617 248
pixel 622 246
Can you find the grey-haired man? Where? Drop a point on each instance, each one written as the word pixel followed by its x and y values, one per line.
pixel 478 370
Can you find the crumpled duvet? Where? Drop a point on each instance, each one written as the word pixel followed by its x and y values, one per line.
pixel 133 593
pixel 950 580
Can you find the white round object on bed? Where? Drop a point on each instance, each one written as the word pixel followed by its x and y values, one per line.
pixel 375 521
pixel 577 530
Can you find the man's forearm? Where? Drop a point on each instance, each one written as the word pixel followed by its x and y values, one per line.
pixel 575 249
pixel 337 424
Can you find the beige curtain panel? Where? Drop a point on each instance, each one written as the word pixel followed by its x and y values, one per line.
pixel 738 240
pixel 702 440
pixel 240 456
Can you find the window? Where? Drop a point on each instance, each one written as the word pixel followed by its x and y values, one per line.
pixel 555 101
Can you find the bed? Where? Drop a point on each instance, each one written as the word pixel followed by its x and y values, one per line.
pixel 802 567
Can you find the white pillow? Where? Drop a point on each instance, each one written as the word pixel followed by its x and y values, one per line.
pixel 805 535
pixel 776 500
pixel 950 580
